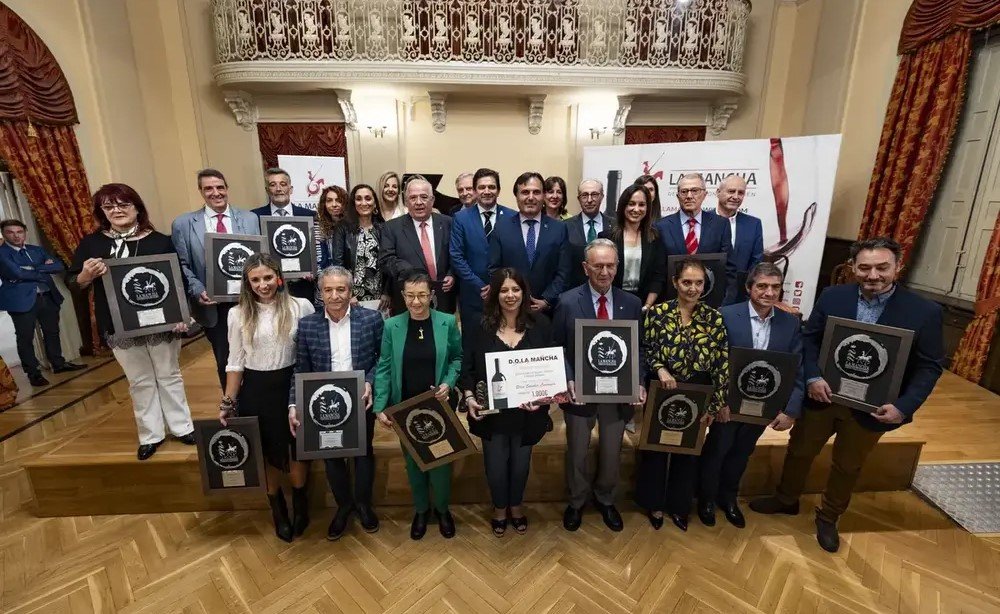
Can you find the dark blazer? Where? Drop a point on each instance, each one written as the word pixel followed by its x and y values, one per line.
pixel 389 371
pixel 470 254
pixel 23 277
pixel 786 336
pixel 297 287
pixel 548 274
pixel 715 238
pixel 905 309
pixel 312 346
pixel 652 266
pixel 577 304
pixel 577 242
pixel 297 211
pixel 749 249
pixel 399 254
pixel 345 246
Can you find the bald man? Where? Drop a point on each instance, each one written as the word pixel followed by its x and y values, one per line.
pixel 746 232
pixel 585 226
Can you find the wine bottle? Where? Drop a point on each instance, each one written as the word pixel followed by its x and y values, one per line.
pixel 499 385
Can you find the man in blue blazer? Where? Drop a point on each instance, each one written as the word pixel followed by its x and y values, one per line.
pixel 595 299
pixel 357 333
pixel 874 298
pixel 756 324
pixel 188 234
pixel 693 231
pixel 30 296
pixel 533 243
pixel 471 230
pixel 278 184
pixel 746 231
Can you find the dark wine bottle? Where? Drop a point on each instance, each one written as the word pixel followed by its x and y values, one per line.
pixel 499 385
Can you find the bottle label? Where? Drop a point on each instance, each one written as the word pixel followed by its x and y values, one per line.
pixel 499 389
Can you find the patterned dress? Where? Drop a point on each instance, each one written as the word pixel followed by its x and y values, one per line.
pixel 367 277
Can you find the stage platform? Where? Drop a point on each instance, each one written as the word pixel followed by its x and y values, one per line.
pixel 94 471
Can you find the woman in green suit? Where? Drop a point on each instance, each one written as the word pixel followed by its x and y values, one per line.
pixel 427 342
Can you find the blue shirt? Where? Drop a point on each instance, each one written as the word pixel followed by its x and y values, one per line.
pixel 870 311
pixel 760 328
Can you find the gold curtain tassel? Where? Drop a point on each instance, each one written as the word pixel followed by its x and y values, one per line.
pixel 32 133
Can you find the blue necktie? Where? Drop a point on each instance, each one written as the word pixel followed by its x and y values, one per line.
pixel 529 243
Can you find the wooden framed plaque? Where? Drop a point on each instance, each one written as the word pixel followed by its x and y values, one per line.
pixel 864 363
pixel 331 413
pixel 290 240
pixel 430 431
pixel 672 420
pixel 225 254
pixel 715 282
pixel 760 383
pixel 145 294
pixel 230 456
pixel 607 361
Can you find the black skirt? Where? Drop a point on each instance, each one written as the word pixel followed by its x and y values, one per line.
pixel 264 394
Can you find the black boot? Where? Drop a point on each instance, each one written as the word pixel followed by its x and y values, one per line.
pixel 279 513
pixel 300 510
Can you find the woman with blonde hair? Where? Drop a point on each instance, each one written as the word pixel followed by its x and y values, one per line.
pixel 389 193
pixel 262 330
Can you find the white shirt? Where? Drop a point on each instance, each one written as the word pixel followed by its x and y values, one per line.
pixel 340 342
pixel 524 228
pixel 211 221
pixel 760 328
pixel 430 235
pixel 598 223
pixel 684 225
pixel 285 211
pixel 266 352
pixel 482 217
pixel 609 305
pixel 732 227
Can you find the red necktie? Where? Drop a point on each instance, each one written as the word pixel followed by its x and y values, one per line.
pixel 691 242
pixel 219 226
pixel 425 246
pixel 602 308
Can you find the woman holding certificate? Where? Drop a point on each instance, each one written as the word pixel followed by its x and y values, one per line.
pixel 508 436
pixel 642 270
pixel 685 342
pixel 421 351
pixel 262 329
pixel 356 245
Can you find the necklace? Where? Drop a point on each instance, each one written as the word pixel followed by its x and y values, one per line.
pixel 420 333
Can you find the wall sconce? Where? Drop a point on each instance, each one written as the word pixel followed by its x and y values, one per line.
pixel 377 131
pixel 595 133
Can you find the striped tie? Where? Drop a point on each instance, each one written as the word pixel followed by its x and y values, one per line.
pixel 691 242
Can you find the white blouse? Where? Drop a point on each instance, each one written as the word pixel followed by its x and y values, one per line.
pixel 268 352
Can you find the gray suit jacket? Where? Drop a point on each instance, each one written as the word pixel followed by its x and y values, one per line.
pixel 188 235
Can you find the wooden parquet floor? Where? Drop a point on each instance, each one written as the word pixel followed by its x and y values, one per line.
pixel 898 553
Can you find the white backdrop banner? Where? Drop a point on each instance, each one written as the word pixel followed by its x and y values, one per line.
pixel 789 187
pixel 310 174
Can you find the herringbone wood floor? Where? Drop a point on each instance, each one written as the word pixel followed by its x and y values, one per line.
pixel 899 554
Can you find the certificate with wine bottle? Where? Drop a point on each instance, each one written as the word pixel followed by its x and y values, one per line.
pixel 516 377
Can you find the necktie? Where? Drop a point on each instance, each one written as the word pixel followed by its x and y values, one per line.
pixel 488 224
pixel 27 256
pixel 219 226
pixel 282 212
pixel 425 246
pixel 602 308
pixel 591 232
pixel 691 242
pixel 529 243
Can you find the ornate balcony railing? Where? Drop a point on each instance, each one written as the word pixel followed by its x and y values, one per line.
pixel 579 36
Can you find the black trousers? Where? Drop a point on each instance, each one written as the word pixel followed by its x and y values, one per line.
pixel 339 478
pixel 507 465
pixel 665 482
pixel 46 313
pixel 724 458
pixel 218 337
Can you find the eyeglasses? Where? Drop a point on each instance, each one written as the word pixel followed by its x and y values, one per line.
pixel 591 195
pixel 423 296
pixel 691 191
pixel 121 206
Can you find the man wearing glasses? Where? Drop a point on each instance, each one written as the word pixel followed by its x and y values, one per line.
pixel 585 226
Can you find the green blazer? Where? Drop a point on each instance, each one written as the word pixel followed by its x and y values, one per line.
pixel 389 372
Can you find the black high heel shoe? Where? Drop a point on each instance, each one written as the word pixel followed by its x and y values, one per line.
pixel 300 511
pixel 499 527
pixel 520 524
pixel 656 522
pixel 279 514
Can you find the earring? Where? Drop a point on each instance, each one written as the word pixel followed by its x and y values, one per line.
pixel 281 282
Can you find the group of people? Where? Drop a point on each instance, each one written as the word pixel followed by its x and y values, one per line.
pixel 392 273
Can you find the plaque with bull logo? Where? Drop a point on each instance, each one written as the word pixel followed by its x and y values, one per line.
pixel 760 383
pixel 230 456
pixel 225 255
pixel 864 363
pixel 333 419
pixel 430 431
pixel 290 240
pixel 714 291
pixel 672 420
pixel 145 294
pixel 607 361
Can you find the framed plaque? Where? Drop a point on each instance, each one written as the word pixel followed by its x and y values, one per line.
pixel 760 383
pixel 145 294
pixel 290 240
pixel 225 254
pixel 607 361
pixel 430 431
pixel 715 282
pixel 331 413
pixel 230 456
pixel 672 420
pixel 864 363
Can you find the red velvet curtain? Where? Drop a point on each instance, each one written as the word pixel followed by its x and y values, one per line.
pixel 974 348
pixel 300 139
pixel 640 135
pixel 929 20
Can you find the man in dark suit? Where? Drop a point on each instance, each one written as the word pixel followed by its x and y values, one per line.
pixel 874 298
pixel 585 226
pixel 533 243
pixel 278 184
pixel 693 231
pixel 746 231
pixel 30 296
pixel 470 245
pixel 756 324
pixel 595 299
pixel 418 241
pixel 356 334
